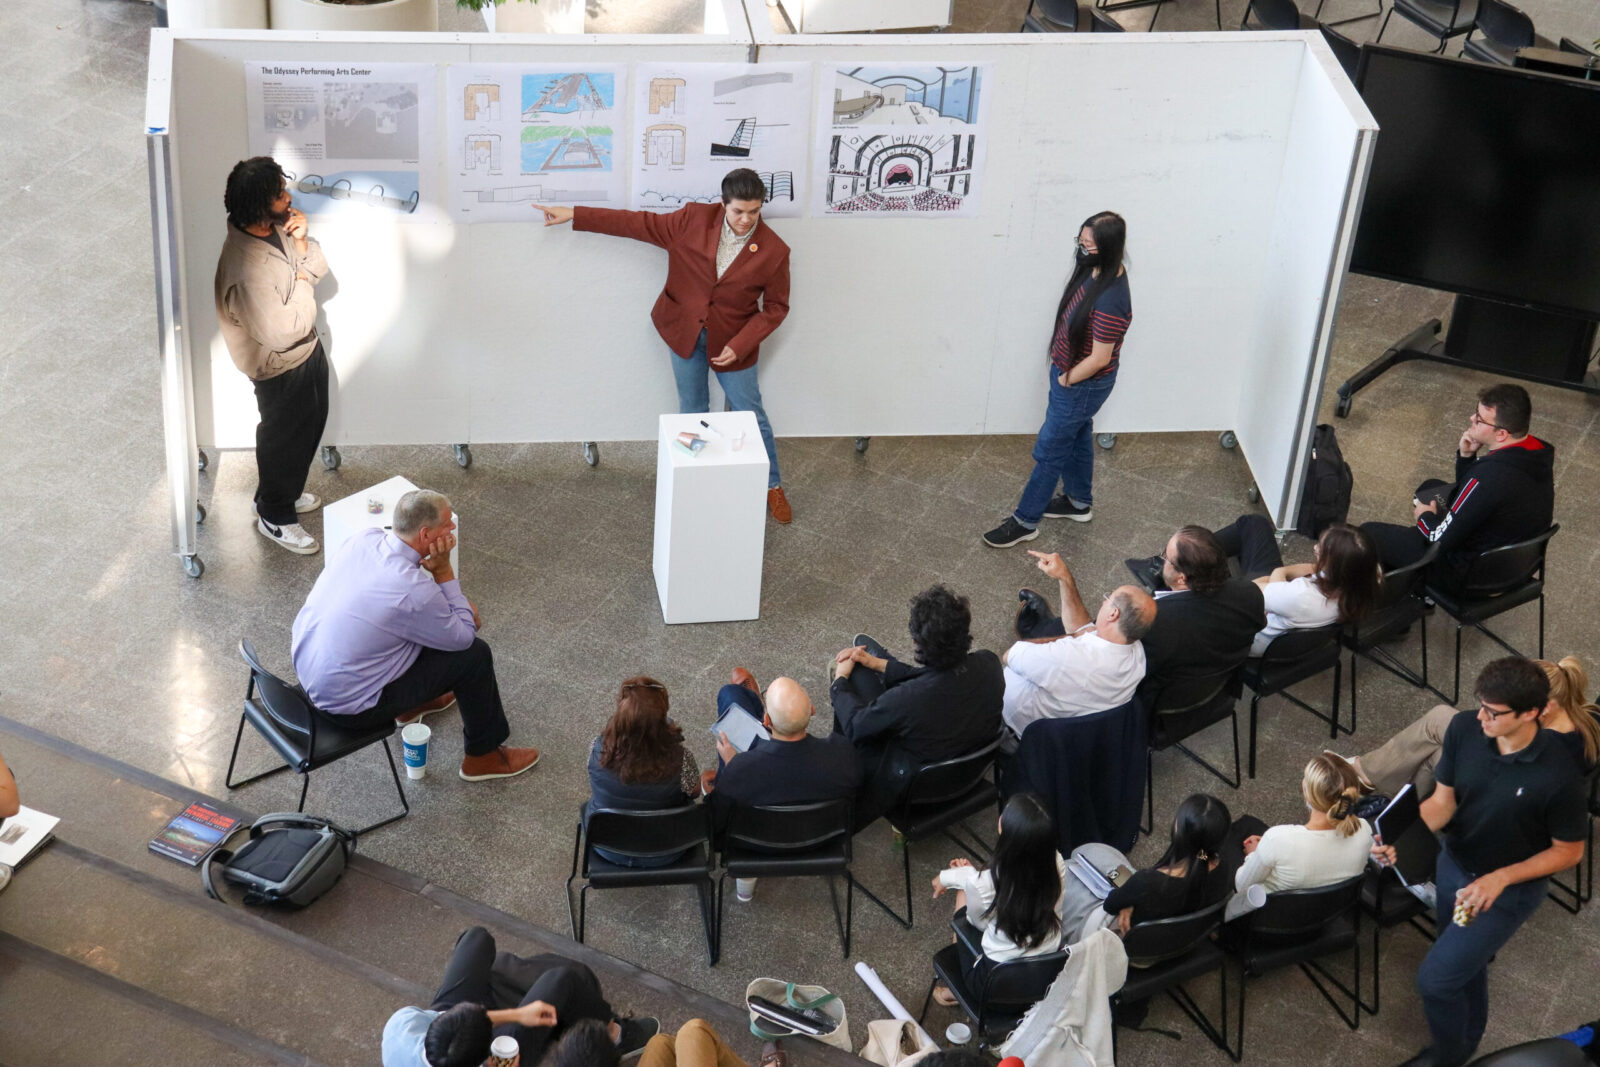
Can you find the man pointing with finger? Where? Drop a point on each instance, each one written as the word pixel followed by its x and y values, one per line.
pixel 727 288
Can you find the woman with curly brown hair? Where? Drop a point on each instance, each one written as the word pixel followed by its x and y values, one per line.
pixel 639 763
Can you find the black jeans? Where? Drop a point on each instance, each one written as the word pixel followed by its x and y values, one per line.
pixel 881 788
pixel 476 974
pixel 294 411
pixel 468 673
pixel 1254 543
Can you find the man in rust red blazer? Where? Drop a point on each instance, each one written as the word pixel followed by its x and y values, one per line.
pixel 727 289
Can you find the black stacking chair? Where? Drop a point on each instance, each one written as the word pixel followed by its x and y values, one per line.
pixel 1163 954
pixel 1501 29
pixel 1346 51
pixel 1182 709
pixel 939 797
pixel 1439 19
pixel 1545 1052
pixel 1297 927
pixel 684 832
pixel 1388 903
pixel 1495 582
pixel 1100 22
pixel 1054 16
pixel 1573 897
pixel 791 841
pixel 1275 15
pixel 1399 607
pixel 1292 658
pixel 997 999
pixel 282 714
pixel 1567 44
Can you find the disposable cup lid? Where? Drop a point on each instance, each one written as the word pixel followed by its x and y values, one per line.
pixel 504 1046
pixel 416 733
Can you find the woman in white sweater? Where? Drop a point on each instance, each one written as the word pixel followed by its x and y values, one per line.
pixel 1332 844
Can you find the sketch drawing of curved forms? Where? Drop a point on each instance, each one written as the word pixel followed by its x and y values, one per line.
pixel 779 184
pixel 480 102
pixel 909 96
pixel 664 143
pixel 654 197
pixel 546 148
pixel 513 194
pixel 664 95
pixel 738 146
pixel 729 86
pixel 911 172
pixel 482 152
pixel 370 120
pixel 563 94
pixel 341 189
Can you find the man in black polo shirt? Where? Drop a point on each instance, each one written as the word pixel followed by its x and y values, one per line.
pixel 1510 804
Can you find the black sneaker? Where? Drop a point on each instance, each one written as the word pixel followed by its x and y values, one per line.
pixel 1147 571
pixel 636 1034
pixel 1008 533
pixel 1062 507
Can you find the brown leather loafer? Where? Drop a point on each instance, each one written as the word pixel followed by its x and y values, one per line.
pixel 503 762
pixel 740 676
pixel 778 505
pixel 440 703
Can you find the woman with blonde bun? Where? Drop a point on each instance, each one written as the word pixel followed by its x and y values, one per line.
pixel 1410 755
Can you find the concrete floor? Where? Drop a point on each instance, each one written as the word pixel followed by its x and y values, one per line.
pixel 112 648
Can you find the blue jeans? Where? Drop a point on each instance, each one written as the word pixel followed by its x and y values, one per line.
pixel 694 394
pixel 1064 452
pixel 1454 977
pixel 728 696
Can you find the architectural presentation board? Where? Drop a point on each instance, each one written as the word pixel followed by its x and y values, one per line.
pixel 1237 160
pixel 526 134
pixel 694 122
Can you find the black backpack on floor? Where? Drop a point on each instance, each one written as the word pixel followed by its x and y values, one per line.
pixel 1326 498
pixel 290 860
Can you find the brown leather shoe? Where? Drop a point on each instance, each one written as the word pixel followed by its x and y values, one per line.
pixel 432 707
pixel 778 505
pixel 503 762
pixel 740 676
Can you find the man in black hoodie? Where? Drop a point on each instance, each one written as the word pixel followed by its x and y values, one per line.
pixel 1504 492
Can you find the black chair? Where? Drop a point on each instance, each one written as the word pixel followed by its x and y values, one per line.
pixel 1573 897
pixel 1122 5
pixel 1054 16
pixel 683 832
pixel 1292 658
pixel 1545 1052
pixel 791 841
pixel 1297 927
pixel 1503 29
pixel 1399 606
pixel 282 714
pixel 1100 22
pixel 1345 50
pixel 1567 44
pixel 998 996
pixel 939 797
pixel 1163 954
pixel 1440 19
pixel 1275 15
pixel 1388 903
pixel 1495 582
pixel 1182 709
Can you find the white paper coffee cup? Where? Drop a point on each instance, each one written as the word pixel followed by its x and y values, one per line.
pixel 503 1052
pixel 414 746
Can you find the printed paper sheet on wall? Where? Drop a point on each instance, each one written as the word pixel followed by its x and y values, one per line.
pixel 355 140
pixel 520 134
pixel 902 139
pixel 694 122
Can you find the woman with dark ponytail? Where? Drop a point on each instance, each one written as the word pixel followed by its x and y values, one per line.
pixel 1332 844
pixel 1090 321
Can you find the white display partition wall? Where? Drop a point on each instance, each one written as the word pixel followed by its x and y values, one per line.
pixel 1237 159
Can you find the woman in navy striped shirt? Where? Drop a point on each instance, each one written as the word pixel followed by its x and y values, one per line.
pixel 1091 320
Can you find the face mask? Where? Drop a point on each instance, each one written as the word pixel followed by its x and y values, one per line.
pixel 1087 258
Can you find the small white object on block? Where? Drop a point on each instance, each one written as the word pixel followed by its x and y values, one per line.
pixel 711 518
pixel 342 518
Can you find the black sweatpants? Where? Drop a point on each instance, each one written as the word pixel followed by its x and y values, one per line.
pixel 468 673
pixel 294 411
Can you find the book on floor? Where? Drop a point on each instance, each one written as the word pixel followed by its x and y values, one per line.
pixel 193 833
pixel 24 834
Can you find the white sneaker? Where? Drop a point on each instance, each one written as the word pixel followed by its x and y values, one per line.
pixel 306 502
pixel 293 537
pixel 744 889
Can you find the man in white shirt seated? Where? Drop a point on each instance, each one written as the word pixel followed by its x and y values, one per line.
pixel 1095 665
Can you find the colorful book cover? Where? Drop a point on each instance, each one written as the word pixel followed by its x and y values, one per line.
pixel 193 833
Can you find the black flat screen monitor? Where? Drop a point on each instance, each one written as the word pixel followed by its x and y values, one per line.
pixel 1485 181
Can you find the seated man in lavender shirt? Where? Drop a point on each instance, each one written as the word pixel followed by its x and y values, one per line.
pixel 386 633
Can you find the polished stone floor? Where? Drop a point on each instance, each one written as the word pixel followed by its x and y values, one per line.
pixel 111 647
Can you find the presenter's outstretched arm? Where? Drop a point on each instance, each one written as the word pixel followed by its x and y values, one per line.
pixel 554 216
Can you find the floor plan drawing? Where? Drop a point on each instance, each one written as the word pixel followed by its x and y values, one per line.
pixel 482 152
pixel 481 102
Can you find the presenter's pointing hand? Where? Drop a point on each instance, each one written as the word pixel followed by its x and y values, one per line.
pixel 727 358
pixel 554 216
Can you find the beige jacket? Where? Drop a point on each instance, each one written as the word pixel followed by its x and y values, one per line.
pixel 268 315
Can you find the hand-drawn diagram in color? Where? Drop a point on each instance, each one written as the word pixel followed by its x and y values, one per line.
pixel 695 122
pixel 902 140
pixel 533 134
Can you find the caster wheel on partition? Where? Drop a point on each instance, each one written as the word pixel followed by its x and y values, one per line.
pixel 1227 440
pixel 463 456
pixel 202 461
pixel 1254 493
pixel 591 453
pixel 199 513
pixel 331 458
pixel 861 445
pixel 1107 441
pixel 193 567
